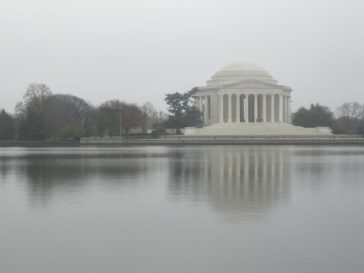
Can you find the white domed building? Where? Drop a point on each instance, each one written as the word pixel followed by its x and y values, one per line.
pixel 244 99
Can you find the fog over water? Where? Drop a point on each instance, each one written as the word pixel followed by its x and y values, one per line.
pixel 278 209
pixel 138 50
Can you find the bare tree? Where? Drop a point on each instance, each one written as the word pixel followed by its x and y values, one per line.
pixel 36 94
pixel 30 114
pixel 352 110
pixel 109 118
pixel 131 117
pixel 150 116
pixel 114 115
pixel 67 111
pixel 19 108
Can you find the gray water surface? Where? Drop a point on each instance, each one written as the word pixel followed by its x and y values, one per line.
pixel 182 209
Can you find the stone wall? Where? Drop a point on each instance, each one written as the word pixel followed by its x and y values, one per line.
pixel 230 140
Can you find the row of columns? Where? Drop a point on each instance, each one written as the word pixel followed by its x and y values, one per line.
pixel 234 176
pixel 280 115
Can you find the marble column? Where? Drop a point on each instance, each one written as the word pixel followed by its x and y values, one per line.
pixel 255 108
pixel 272 116
pixel 221 108
pixel 229 107
pixel 264 110
pixel 246 118
pixel 205 109
pixel 288 114
pixel 285 109
pixel 289 110
pixel 280 107
pixel 237 115
pixel 200 106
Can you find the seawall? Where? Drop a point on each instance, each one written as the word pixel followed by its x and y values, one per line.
pixel 228 140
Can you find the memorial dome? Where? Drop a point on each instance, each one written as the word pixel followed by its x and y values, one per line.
pixel 240 71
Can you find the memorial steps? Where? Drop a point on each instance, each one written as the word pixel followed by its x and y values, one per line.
pixel 258 129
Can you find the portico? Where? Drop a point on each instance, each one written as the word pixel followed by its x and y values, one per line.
pixel 244 99
pixel 244 107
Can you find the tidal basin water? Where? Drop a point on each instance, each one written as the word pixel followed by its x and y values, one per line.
pixel 182 209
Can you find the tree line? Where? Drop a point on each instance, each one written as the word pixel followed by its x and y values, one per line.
pixel 43 115
pixel 349 118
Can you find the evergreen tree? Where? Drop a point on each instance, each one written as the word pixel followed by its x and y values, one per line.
pixel 316 116
pixel 183 112
pixel 6 126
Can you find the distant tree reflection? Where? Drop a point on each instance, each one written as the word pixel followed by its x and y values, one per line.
pixel 48 174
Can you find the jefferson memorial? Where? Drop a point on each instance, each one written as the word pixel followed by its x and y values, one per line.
pixel 244 99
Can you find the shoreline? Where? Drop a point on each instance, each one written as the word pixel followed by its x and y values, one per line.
pixel 221 142
pixel 195 140
pixel 35 144
pixel 228 140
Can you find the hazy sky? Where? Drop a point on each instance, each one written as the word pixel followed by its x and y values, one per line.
pixel 138 50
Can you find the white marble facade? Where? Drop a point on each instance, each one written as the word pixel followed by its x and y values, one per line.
pixel 244 99
pixel 243 93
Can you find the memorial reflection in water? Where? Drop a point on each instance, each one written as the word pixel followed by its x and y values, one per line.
pixel 233 180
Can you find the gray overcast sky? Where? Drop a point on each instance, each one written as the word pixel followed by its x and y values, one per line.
pixel 138 50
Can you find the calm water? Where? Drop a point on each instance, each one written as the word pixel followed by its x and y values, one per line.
pixel 182 209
